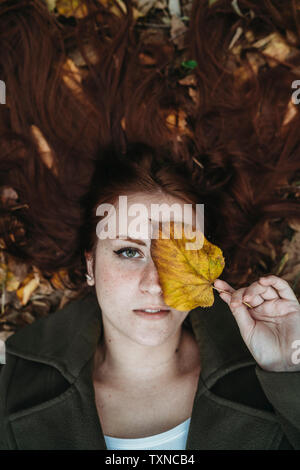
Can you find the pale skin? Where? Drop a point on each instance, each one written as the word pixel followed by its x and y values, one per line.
pixel 140 361
pixel 270 328
pixel 144 361
pixel 135 348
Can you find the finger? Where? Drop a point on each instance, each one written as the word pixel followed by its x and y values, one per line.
pixel 283 288
pixel 237 297
pixel 242 315
pixel 226 297
pixel 254 300
pixel 222 285
pixel 274 309
pixel 257 293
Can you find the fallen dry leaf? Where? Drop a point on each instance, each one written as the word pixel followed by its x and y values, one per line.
pixel 73 8
pixel 291 269
pixel 28 286
pixel 8 196
pixel 146 59
pixel 72 75
pixel 123 123
pixel 43 148
pixel 178 30
pixel 188 80
pixel 80 61
pixel 57 278
pixel 144 6
pixel 290 113
pixel 186 275
pixel 294 224
pixel 8 279
pixel 292 247
pixel 113 8
pixel 51 4
pixel 178 120
pixel 275 46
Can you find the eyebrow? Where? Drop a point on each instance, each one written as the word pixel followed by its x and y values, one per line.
pixel 133 240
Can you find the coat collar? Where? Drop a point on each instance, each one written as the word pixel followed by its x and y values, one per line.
pixel 68 338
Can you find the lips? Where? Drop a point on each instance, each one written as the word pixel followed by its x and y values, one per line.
pixel 153 307
pixel 152 315
pixel 161 309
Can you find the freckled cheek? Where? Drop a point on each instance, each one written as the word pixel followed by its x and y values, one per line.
pixel 112 281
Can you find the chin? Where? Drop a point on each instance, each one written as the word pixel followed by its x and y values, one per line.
pixel 151 339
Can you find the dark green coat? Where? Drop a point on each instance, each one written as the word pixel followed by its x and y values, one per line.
pixel 47 396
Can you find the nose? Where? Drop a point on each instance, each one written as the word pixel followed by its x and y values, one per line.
pixel 150 280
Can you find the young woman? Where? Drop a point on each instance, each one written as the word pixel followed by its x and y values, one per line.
pixel 103 373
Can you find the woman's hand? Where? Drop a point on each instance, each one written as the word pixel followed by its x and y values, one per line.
pixel 271 329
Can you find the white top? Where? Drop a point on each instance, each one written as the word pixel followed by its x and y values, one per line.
pixel 175 438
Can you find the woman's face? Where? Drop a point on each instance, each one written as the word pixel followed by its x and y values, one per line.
pixel 126 280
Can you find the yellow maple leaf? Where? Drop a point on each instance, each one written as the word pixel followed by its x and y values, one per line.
pixel 186 275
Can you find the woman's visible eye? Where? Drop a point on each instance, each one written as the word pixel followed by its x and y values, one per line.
pixel 123 250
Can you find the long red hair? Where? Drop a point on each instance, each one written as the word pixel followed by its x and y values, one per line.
pixel 108 129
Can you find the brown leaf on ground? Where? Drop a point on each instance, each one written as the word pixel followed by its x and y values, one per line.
pixel 28 286
pixel 295 225
pixel 73 8
pixel 291 270
pixel 146 59
pixel 8 280
pixel 178 120
pixel 72 76
pixel 178 29
pixel 144 6
pixel 188 80
pixel 79 60
pixel 274 47
pixel 291 111
pixel 58 277
pixel 8 196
